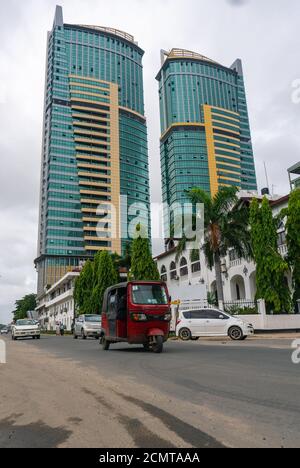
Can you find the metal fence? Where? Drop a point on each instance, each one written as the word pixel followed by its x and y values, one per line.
pixel 196 304
pixel 242 307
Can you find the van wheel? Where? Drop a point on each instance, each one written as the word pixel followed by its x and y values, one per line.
pixel 75 337
pixel 235 333
pixel 185 334
pixel 158 346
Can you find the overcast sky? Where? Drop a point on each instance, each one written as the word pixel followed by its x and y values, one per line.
pixel 264 34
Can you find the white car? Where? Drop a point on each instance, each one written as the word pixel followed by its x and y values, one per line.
pixel 192 324
pixel 26 328
pixel 87 326
pixel 4 331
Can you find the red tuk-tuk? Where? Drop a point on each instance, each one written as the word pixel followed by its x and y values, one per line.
pixel 137 312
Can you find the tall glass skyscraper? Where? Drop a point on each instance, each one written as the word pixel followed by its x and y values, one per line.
pixel 94 145
pixel 206 139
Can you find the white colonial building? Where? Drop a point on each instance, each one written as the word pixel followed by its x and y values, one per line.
pixel 56 305
pixel 191 279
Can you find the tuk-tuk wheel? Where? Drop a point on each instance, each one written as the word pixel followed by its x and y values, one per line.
pixel 158 345
pixel 105 344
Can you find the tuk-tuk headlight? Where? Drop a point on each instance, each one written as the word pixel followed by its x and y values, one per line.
pixel 168 317
pixel 139 317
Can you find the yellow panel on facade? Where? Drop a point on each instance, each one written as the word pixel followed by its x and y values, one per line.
pixel 94 184
pixel 97 248
pixel 212 166
pixel 92 149
pixel 235 132
pixel 225 110
pixel 217 148
pixel 88 78
pixel 78 131
pixel 112 180
pixel 93 117
pixel 115 167
pixel 93 158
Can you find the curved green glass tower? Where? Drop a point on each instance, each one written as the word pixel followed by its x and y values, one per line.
pixel 94 145
pixel 206 139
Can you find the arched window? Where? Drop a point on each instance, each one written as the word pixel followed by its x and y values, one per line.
pixel 173 271
pixel 163 274
pixel 195 261
pixel 183 267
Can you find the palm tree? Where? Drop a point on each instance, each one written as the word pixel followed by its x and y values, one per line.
pixel 226 225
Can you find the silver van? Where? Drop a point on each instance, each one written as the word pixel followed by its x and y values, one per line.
pixel 87 326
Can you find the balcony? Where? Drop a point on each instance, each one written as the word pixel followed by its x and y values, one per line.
pixel 283 250
pixel 235 263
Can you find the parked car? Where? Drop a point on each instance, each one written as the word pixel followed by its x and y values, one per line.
pixel 4 331
pixel 87 326
pixel 192 324
pixel 25 328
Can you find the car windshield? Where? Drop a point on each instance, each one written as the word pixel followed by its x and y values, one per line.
pixel 93 318
pixel 21 323
pixel 150 294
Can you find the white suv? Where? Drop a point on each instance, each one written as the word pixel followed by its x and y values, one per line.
pixel 191 324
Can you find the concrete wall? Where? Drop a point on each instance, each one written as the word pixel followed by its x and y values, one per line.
pixel 273 322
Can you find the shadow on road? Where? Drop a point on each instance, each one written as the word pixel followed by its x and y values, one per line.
pixel 34 435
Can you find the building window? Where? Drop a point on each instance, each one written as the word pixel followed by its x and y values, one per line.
pixel 183 267
pixel 196 267
pixel 173 271
pixel 163 274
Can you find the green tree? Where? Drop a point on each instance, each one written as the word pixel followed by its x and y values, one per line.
pixel 105 277
pixel 270 266
pixel 292 214
pixel 24 305
pixel 226 225
pixel 143 267
pixel 83 290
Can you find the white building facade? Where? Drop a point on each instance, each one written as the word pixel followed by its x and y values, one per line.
pixel 57 305
pixel 190 278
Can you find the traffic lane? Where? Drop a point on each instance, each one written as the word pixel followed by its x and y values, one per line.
pixel 241 395
pixel 254 386
pixel 69 405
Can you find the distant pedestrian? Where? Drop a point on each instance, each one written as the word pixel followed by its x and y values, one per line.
pixel 62 329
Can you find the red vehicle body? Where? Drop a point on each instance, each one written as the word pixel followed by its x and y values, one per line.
pixel 137 312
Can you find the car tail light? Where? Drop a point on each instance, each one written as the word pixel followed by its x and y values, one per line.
pixel 178 322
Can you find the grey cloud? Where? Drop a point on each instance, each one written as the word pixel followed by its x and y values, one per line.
pixel 237 2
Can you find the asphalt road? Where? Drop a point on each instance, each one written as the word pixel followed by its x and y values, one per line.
pixel 199 394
